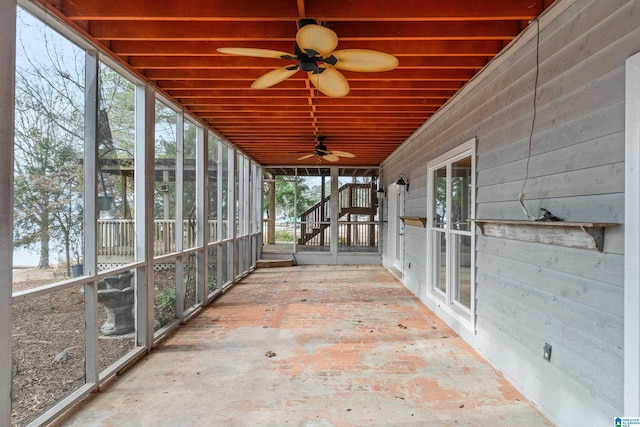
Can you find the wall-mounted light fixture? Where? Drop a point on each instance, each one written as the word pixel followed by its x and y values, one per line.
pixel 380 192
pixel 403 181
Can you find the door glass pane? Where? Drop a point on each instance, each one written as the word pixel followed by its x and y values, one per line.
pixel 399 224
pixel 462 267
pixel 461 194
pixel 440 197
pixel 440 260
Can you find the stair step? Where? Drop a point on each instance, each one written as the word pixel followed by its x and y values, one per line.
pixel 272 263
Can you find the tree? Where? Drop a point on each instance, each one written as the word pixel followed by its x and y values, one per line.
pixel 48 142
pixel 286 196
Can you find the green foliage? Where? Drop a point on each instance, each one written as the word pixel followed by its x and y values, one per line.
pixel 284 236
pixel 286 202
pixel 165 305
pixel 212 284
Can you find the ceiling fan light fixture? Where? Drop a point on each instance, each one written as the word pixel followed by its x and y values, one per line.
pixel 316 55
pixel 321 152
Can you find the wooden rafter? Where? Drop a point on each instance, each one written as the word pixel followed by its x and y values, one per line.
pixel 440 46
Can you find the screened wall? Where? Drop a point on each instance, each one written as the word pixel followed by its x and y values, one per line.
pixel 135 212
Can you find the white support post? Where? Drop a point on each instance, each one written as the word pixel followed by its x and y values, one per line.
pixel 632 240
pixel 232 255
pixel 144 180
pixel 219 223
pixel 179 220
pixel 91 107
pixel 7 105
pixel 247 215
pixel 202 213
pixel 259 214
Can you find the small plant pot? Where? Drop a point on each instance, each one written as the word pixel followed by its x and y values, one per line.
pixel 77 270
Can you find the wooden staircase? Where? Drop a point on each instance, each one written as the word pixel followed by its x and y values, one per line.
pixel 354 199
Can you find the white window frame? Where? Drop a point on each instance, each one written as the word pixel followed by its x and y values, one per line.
pixel 446 300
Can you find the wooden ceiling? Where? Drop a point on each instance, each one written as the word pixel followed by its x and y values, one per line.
pixel 440 46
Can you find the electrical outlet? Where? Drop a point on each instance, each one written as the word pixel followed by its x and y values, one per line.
pixel 547 352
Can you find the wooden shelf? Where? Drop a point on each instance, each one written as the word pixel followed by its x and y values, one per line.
pixel 584 235
pixel 416 221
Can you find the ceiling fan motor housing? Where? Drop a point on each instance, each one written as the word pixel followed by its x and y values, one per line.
pixel 306 21
pixel 314 51
pixel 321 150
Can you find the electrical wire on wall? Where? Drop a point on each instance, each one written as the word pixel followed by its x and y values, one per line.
pixel 533 123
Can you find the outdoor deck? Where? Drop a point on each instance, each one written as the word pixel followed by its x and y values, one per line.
pixel 351 346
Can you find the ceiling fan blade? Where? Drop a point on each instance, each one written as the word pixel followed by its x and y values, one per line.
pixel 274 77
pixel 316 40
pixel 342 153
pixel 306 156
pixel 257 53
pixel 331 157
pixel 364 60
pixel 330 82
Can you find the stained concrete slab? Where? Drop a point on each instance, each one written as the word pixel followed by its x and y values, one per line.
pixel 350 346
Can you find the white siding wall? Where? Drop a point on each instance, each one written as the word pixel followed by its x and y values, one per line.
pixel 527 293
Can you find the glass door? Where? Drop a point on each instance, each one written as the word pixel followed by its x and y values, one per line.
pixel 450 232
pixel 395 229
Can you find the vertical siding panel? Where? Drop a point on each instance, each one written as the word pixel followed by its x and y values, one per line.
pixel 528 293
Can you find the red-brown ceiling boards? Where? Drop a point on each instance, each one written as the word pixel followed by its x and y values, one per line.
pixel 439 45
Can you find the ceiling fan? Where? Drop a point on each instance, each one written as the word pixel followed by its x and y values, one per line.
pixel 314 51
pixel 322 153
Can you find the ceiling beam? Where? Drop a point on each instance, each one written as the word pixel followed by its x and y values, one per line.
pixel 326 10
pixel 395 47
pixel 286 30
pixel 239 62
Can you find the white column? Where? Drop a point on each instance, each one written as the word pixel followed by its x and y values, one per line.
pixel 90 214
pixel 202 212
pixel 220 260
pixel 7 95
pixel 179 220
pixel 232 255
pixel 144 180
pixel 632 240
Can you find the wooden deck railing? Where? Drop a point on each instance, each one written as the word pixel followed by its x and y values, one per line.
pixel 116 237
pixel 353 200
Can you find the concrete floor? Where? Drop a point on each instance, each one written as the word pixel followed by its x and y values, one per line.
pixel 352 347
